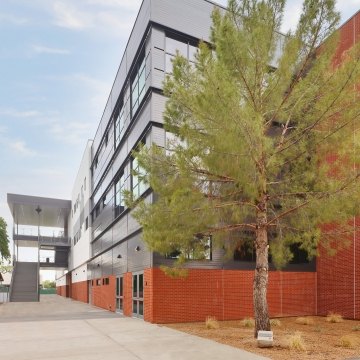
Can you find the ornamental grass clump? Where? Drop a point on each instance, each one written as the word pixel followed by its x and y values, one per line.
pixel 211 323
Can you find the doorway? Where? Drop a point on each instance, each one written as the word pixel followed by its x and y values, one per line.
pixel 138 295
pixel 119 294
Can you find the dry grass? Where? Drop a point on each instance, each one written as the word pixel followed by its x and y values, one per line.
pixel 334 318
pixel 296 342
pixel 321 340
pixel 248 322
pixel 211 323
pixel 275 322
pixel 348 341
pixel 356 328
pixel 305 321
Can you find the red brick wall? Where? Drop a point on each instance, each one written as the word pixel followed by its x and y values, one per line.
pixel 79 291
pixel 104 295
pixel 61 290
pixel 225 294
pixel 338 278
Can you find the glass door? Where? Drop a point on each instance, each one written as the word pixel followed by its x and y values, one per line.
pixel 138 295
pixel 120 294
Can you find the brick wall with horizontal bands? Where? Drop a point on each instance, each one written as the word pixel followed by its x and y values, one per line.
pixel 338 277
pixel 79 291
pixel 61 290
pixel 104 295
pixel 225 294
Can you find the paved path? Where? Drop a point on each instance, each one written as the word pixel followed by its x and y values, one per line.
pixel 59 329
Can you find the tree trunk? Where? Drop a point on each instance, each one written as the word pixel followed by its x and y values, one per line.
pixel 261 313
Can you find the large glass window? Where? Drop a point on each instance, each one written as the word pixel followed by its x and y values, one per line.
pixel 138 184
pixel 119 197
pixel 119 126
pixel 138 86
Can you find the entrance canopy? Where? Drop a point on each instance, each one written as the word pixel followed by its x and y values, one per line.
pixel 28 210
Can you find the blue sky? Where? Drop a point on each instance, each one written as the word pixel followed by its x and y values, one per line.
pixel 58 59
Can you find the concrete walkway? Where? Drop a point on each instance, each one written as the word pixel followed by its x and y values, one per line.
pixel 58 328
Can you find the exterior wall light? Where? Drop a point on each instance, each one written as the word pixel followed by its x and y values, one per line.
pixel 119 256
pixel 137 248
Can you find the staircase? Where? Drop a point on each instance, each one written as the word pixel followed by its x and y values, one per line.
pixel 24 285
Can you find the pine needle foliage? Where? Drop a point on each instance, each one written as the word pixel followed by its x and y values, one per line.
pixel 266 142
pixel 4 241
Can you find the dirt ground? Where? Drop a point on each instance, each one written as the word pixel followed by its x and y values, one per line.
pixel 322 340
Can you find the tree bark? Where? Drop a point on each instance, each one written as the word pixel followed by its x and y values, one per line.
pixel 262 321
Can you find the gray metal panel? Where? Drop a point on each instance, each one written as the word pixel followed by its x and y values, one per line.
pixel 157 107
pixel 192 17
pixel 138 31
pixel 157 136
pixel 158 38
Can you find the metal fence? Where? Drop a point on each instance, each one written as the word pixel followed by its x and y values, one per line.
pixel 4 293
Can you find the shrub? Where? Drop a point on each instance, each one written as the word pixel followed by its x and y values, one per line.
pixel 348 341
pixel 305 321
pixel 296 342
pixel 356 328
pixel 248 322
pixel 275 322
pixel 334 318
pixel 211 323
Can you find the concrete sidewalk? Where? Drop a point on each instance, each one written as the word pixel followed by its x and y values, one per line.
pixel 58 328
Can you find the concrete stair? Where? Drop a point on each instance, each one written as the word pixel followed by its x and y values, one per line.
pixel 24 285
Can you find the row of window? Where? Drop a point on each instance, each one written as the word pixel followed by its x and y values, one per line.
pixel 98 282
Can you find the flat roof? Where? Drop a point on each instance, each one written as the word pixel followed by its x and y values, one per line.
pixel 54 212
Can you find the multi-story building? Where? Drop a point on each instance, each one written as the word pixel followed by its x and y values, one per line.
pixel 109 265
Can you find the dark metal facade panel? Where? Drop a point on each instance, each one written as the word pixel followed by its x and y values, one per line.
pixel 107 263
pixel 138 259
pixel 120 259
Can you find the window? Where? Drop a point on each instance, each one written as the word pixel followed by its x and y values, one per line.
pixel 98 282
pixel 85 184
pixel 138 184
pixel 201 249
pixel 244 251
pixel 104 202
pixel 86 223
pixel 138 86
pixel 106 138
pixel 119 126
pixel 106 281
pixel 119 197
pixel 97 210
pixel 175 44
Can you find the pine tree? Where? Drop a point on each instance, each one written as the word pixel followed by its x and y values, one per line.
pixel 266 142
pixel 4 240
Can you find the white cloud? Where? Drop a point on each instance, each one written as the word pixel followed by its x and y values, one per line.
pixel 109 17
pixel 12 19
pixel 21 148
pixel 68 16
pixel 19 113
pixel 72 133
pixel 40 49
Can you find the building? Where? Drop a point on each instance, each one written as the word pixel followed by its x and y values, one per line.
pixel 109 265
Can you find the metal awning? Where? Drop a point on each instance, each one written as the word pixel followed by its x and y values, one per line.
pixel 54 212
